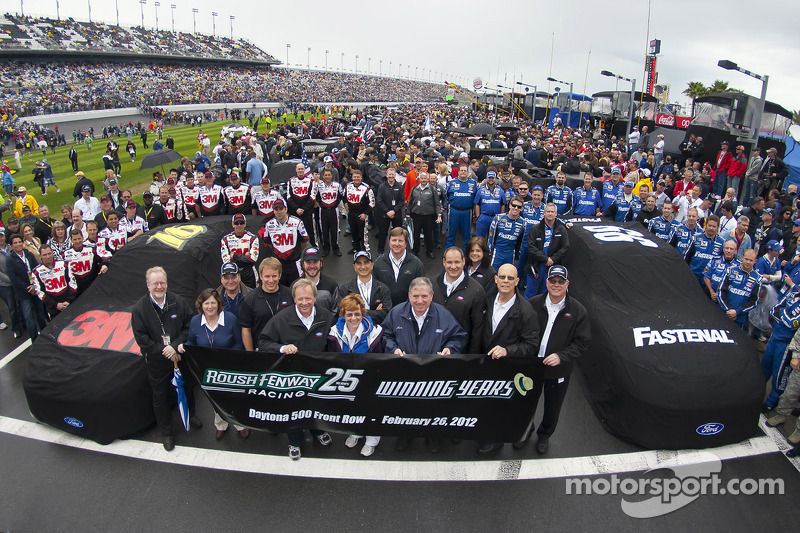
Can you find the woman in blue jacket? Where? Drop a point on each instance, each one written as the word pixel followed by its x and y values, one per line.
pixel 214 327
pixel 354 332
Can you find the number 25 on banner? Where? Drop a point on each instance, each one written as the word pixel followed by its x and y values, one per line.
pixel 341 380
pixel 177 236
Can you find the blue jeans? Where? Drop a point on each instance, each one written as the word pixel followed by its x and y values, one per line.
pixel 7 295
pixel 749 192
pixel 33 314
pixel 774 364
pixel 720 183
pixel 536 286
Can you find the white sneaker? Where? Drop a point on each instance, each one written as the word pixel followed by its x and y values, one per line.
pixel 294 453
pixel 4 326
pixel 367 450
pixel 351 441
pixel 324 439
pixel 58 190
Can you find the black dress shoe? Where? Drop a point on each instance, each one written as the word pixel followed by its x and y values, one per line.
pixel 489 447
pixel 324 253
pixel 429 254
pixel 433 445
pixel 337 252
pixel 169 443
pixel 520 444
pixel 402 444
pixel 351 251
pixel 195 422
pixel 542 445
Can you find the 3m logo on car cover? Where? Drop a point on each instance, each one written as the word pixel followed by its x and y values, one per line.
pixel 100 329
pixel 645 336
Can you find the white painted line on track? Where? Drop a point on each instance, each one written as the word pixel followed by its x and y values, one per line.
pixel 780 441
pixel 377 470
pixel 15 352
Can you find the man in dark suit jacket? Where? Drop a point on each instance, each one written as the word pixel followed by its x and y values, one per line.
pixel 510 328
pixel 375 294
pixel 460 294
pixel 398 267
pixel 20 263
pixel 565 336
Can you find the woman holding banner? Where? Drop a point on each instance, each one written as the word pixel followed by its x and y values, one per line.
pixel 354 332
pixel 215 328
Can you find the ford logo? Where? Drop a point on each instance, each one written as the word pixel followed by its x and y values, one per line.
pixel 711 428
pixel 74 422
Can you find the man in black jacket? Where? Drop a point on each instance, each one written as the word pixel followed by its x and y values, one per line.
pixel 772 174
pixel 262 303
pixel 160 323
pixel 20 263
pixel 304 328
pixel 510 328
pixel 565 336
pixel 462 296
pixel 389 202
pixel 548 244
pixel 397 268
pixel 376 295
pixel 151 213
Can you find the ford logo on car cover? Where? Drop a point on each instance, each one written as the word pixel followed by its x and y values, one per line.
pixel 711 428
pixel 74 422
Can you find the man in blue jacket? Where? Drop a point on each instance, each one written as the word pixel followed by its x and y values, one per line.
pixel 420 326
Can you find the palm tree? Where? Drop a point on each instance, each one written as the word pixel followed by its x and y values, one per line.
pixel 719 86
pixel 694 90
pixel 796 116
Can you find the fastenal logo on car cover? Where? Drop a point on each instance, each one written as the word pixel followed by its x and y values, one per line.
pixel 645 335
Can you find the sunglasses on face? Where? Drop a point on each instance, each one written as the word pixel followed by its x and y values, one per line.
pixel 557 281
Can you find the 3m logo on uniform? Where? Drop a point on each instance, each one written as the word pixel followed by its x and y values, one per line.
pixel 177 236
pixel 645 336
pixel 100 329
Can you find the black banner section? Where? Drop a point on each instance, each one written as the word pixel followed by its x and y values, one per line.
pixel 465 396
pixel 666 367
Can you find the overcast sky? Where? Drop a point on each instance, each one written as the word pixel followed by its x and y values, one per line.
pixel 469 39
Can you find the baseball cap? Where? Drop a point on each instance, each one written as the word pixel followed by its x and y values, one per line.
pixel 279 201
pixel 767 211
pixel 22 189
pixel 362 253
pixel 229 268
pixel 328 159
pixel 774 246
pixel 26 208
pixel 238 217
pixel 616 170
pixel 796 221
pixel 86 188
pixel 145 193
pixel 725 143
pixel 265 180
pixel 131 204
pixel 537 188
pixel 172 190
pixel 112 181
pixel 491 174
pixel 628 183
pixel 646 172
pixel 311 254
pixel 558 270
pixel 105 198
pixel 740 147
pixel 80 173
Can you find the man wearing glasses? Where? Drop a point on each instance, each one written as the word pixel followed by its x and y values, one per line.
pixel 506 234
pixel 565 336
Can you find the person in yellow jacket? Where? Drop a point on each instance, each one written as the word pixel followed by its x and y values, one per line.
pixel 25 199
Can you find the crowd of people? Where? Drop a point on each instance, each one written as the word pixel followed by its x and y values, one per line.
pixel 399 178
pixel 44 33
pixel 35 88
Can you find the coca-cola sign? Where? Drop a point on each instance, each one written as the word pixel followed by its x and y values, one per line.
pixel 665 120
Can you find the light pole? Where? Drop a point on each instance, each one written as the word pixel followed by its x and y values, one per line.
pixel 730 65
pixel 58 15
pixel 214 23
pixel 632 81
pixel 527 85
pixel 341 66
pixel 172 9
pixel 415 72
pixel 90 10
pixel 400 71
pixel 569 102
pixel 287 55
pixel 21 8
pixel 141 8
pixel 308 60
pixel 232 17
pixel 390 69
pixel 326 60
pixel 356 63
pixel 369 65
pixel 156 4
pixel 380 67
pixel 195 11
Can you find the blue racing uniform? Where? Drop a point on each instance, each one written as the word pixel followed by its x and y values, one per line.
pixel 738 290
pixel 489 202
pixel 702 250
pixel 775 362
pixel 461 197
pixel 683 237
pixel 662 228
pixel 763 266
pixel 610 192
pixel 505 239
pixel 622 208
pixel 532 215
pixel 561 197
pixel 586 202
pixel 717 268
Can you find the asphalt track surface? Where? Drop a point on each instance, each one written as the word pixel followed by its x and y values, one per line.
pixel 52 481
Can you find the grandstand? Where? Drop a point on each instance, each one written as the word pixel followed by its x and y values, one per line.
pixel 70 39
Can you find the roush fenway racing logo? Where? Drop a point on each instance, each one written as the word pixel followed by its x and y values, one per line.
pixel 102 330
